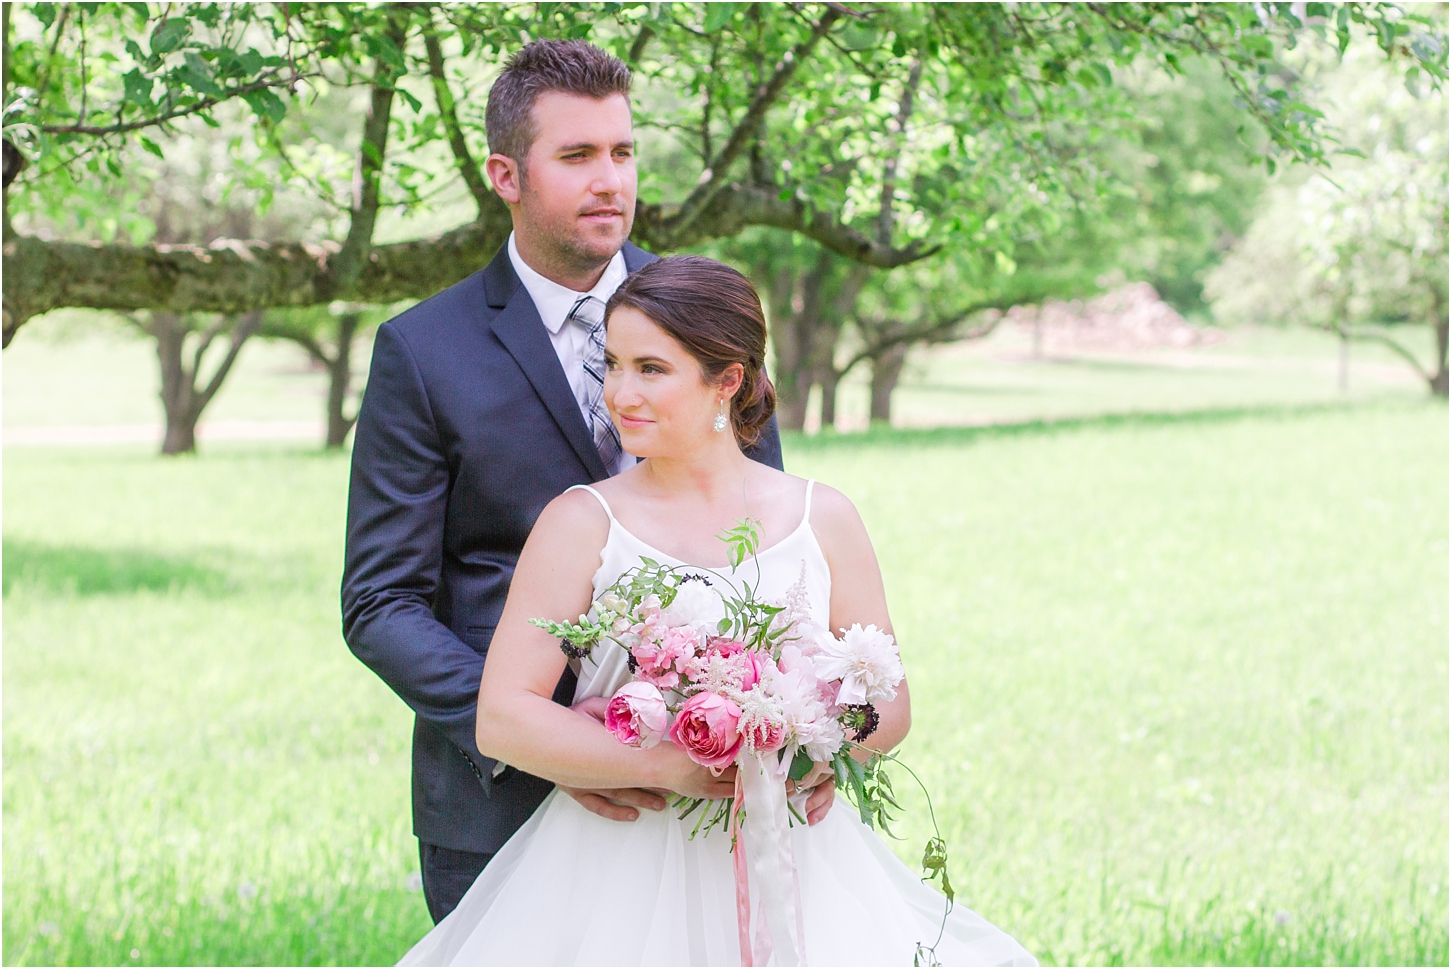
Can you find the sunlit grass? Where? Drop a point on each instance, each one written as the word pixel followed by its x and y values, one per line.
pixel 1180 694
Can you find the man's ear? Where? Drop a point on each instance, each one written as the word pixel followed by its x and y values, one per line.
pixel 505 176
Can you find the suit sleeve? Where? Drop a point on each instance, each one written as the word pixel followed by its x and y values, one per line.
pixel 397 498
pixel 767 450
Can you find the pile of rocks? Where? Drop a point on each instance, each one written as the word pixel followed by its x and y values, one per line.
pixel 1131 317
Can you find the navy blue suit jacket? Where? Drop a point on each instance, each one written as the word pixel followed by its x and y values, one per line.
pixel 468 428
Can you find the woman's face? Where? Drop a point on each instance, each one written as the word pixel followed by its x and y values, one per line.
pixel 654 388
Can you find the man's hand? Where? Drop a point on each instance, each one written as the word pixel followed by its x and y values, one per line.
pixel 619 804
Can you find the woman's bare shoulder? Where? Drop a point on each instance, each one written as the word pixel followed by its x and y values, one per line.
pixel 576 515
pixel 832 509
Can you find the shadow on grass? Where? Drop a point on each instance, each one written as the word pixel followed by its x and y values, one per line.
pixel 882 435
pixel 78 570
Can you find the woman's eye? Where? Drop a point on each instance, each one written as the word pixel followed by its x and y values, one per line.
pixel 650 368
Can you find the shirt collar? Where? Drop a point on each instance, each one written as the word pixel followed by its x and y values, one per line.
pixel 554 301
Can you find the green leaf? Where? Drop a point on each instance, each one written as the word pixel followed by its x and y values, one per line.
pixel 413 102
pixel 151 146
pixel 266 105
pixel 859 36
pixel 800 765
pixel 198 75
pixel 138 88
pixel 169 35
pixel 717 15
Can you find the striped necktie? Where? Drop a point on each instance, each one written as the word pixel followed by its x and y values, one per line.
pixel 589 313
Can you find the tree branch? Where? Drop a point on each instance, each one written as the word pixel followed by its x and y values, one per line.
pixel 894 157
pixel 1373 336
pixel 894 333
pixel 204 344
pixel 713 179
pixel 737 206
pixel 244 329
pixel 348 264
pixel 637 49
pixel 204 104
pixel 468 168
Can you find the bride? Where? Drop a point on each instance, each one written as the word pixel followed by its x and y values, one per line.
pixel 686 387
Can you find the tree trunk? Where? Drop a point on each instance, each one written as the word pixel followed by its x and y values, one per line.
pixel 886 369
pixel 340 378
pixel 177 387
pixel 181 400
pixel 785 336
pixel 829 381
pixel 1344 379
pixel 1438 381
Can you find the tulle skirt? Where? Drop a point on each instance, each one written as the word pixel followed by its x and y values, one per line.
pixel 571 889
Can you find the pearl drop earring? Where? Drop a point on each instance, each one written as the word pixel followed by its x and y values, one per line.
pixel 720 419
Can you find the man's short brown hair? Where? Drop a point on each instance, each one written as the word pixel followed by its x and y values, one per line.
pixel 570 66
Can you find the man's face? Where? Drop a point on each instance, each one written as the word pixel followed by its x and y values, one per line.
pixel 577 193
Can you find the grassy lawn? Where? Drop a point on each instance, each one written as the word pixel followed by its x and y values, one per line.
pixel 1181 692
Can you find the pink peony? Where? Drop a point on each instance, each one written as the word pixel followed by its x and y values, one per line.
pixel 724 647
pixel 637 715
pixel 751 663
pixel 707 730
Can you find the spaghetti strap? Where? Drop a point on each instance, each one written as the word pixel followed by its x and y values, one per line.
pixel 606 505
pixel 805 515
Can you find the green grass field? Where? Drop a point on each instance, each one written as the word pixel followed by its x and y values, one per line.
pixel 1180 692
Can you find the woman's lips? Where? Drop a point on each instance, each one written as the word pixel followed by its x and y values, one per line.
pixel 633 422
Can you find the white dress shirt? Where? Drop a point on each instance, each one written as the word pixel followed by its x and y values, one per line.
pixel 554 302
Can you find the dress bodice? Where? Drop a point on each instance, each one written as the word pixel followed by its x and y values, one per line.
pixel 793 573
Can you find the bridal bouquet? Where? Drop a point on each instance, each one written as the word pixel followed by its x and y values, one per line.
pixel 733 680
pixel 728 678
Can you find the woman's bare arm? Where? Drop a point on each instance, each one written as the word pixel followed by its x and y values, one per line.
pixel 518 723
pixel 858 596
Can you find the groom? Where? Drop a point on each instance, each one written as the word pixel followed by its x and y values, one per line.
pixel 483 404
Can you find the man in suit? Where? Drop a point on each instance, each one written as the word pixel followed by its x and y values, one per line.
pixel 483 404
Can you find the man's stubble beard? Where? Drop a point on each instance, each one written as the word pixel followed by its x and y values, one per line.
pixel 566 247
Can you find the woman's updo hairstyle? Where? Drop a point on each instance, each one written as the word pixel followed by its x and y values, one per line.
pixel 714 313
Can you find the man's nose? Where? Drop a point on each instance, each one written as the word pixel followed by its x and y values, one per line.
pixel 607 178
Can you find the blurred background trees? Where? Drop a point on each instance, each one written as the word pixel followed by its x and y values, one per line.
pixel 1358 249
pixel 891 177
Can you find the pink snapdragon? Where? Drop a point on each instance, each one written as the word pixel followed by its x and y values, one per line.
pixel 665 661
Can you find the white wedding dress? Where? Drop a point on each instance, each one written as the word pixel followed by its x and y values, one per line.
pixel 571 888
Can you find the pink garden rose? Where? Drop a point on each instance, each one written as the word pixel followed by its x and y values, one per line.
pixel 766 734
pixel 637 715
pixel 707 729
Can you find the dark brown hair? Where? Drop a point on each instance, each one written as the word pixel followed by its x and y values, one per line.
pixel 571 66
pixel 714 313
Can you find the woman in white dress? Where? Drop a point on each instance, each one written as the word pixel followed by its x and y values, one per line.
pixel 686 345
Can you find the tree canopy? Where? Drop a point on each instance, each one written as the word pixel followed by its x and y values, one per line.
pixel 782 115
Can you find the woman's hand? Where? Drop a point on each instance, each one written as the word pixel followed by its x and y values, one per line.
pixel 687 778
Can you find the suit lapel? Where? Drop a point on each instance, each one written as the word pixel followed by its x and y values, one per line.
pixel 519 328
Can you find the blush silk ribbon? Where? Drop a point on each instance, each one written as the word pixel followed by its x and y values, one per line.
pixel 769 863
